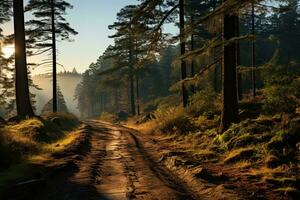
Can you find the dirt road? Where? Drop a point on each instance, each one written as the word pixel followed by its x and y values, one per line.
pixel 117 165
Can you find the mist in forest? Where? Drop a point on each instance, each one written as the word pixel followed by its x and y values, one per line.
pixel 67 83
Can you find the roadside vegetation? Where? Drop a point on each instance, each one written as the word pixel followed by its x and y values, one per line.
pixel 263 148
pixel 220 95
pixel 32 140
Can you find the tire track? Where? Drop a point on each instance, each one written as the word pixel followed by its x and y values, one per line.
pixel 129 172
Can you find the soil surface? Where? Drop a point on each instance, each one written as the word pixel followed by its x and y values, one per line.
pixel 114 164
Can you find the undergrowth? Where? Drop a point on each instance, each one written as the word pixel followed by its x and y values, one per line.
pixel 173 119
pixel 266 147
pixel 18 141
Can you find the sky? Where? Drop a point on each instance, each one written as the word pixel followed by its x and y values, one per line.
pixel 91 19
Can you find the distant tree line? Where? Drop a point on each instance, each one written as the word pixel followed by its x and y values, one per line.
pixel 231 46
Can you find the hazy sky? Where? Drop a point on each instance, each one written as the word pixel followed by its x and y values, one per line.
pixel 91 19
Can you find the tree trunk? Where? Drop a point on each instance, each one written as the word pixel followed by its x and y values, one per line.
pixel 238 61
pixel 138 95
pixel 216 71
pixel 229 94
pixel 131 81
pixel 137 80
pixel 253 54
pixel 182 49
pixel 240 86
pixel 24 107
pixel 216 78
pixel 54 87
pixel 117 101
pixel 192 49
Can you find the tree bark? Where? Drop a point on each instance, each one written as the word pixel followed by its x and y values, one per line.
pixel 253 54
pixel 137 81
pixel 138 95
pixel 229 94
pixel 54 74
pixel 23 103
pixel 216 78
pixel 183 50
pixel 238 61
pixel 131 80
pixel 192 49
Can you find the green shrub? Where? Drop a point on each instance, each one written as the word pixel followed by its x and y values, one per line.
pixel 279 99
pixel 245 133
pixel 282 88
pixel 205 102
pixel 173 120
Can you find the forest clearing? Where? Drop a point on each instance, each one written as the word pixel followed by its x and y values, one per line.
pixel 149 100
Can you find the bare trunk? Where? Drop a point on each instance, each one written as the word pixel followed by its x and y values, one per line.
pixel 192 49
pixel 131 81
pixel 54 87
pixel 24 107
pixel 216 78
pixel 138 95
pixel 182 49
pixel 238 61
pixel 229 94
pixel 137 80
pixel 253 54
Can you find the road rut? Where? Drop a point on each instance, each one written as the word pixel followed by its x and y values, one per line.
pixel 117 166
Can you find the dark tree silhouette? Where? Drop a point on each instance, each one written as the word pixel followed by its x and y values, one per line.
pixel 24 107
pixel 131 47
pixel 48 26
pixel 229 94
pixel 253 50
pixel 192 49
pixel 54 66
pixel 183 51
pixel 61 104
pixel 238 62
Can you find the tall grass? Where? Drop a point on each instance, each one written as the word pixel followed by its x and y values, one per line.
pixel 173 120
pixel 20 140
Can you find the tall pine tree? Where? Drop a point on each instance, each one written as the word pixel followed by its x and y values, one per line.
pixel 24 107
pixel 229 94
pixel 48 26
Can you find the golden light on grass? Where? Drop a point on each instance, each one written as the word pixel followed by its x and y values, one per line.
pixel 8 50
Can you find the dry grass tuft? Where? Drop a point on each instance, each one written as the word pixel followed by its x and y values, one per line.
pixel 173 120
pixel 240 154
pixel 108 117
pixel 34 136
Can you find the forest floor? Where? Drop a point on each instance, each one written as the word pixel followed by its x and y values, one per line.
pixel 106 162
pixel 255 159
pixel 112 162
